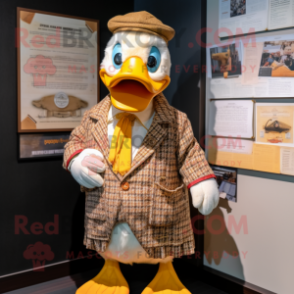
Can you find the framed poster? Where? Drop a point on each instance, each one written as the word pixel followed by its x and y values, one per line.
pixel 58 58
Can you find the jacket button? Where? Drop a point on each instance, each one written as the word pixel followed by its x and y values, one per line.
pixel 125 186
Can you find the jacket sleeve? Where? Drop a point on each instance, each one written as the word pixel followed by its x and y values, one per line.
pixel 76 142
pixel 194 167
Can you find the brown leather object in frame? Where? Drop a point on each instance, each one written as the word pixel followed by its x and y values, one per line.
pixel 276 126
pixel 92 26
pixel 27 16
pixel 28 123
pixel 71 110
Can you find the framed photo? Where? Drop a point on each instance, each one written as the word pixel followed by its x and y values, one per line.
pixel 226 59
pixel 227 182
pixel 58 61
pixel 277 59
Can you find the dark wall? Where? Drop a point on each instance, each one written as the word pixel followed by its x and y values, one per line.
pixel 185 17
pixel 38 190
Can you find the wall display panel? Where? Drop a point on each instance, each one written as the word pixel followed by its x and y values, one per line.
pixel 261 68
pixel 57 70
pixel 247 253
pixel 239 16
pixel 271 151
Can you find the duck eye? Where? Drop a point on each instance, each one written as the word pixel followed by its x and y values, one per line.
pixel 117 56
pixel 154 60
pixel 118 59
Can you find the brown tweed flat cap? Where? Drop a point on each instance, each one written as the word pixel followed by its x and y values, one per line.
pixel 142 21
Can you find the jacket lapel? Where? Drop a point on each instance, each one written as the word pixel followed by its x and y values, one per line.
pixel 100 129
pixel 155 135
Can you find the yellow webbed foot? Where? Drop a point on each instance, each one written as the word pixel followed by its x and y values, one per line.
pixel 110 280
pixel 166 281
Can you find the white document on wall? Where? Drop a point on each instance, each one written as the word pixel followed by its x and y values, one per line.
pixel 231 118
pixel 241 16
pixel 287 161
pixel 281 14
pixel 251 62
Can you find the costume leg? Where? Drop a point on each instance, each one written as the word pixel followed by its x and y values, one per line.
pixel 110 280
pixel 166 281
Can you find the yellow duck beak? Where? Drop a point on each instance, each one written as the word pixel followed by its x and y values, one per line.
pixel 132 89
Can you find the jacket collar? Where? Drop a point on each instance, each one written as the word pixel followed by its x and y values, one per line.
pixel 100 111
pixel 163 109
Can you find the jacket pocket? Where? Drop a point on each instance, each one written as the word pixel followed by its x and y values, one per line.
pixel 95 204
pixel 167 205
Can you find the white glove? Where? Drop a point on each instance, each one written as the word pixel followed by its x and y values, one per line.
pixel 205 196
pixel 85 168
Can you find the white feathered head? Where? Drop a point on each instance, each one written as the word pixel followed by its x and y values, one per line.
pixel 136 66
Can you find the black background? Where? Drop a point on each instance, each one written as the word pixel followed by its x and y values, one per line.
pixel 40 189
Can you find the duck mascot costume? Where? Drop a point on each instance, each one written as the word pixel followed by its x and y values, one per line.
pixel 136 158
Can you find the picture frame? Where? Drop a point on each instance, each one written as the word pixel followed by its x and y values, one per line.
pixel 57 63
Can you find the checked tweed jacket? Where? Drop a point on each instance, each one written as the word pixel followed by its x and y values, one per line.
pixel 156 204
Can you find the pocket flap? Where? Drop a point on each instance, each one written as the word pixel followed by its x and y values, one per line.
pixel 168 190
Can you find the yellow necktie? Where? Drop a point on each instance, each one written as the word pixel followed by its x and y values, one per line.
pixel 120 154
